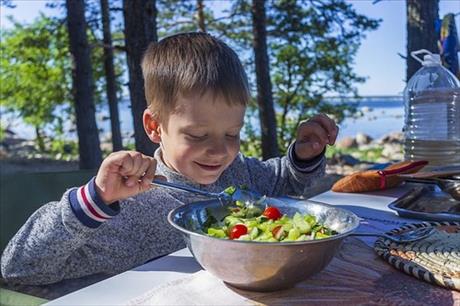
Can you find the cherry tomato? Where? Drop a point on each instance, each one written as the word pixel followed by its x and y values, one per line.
pixel 272 213
pixel 238 230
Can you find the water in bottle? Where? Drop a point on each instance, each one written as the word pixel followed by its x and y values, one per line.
pixel 432 114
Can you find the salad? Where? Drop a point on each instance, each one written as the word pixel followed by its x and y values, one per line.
pixel 252 223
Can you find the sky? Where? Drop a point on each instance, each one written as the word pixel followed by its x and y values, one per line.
pixel 377 58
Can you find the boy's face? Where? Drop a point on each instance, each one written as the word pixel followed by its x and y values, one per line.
pixel 202 137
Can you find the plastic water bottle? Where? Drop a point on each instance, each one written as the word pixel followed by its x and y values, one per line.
pixel 432 114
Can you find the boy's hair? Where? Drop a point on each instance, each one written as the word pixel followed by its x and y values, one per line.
pixel 191 63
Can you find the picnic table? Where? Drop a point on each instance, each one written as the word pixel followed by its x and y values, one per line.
pixel 356 274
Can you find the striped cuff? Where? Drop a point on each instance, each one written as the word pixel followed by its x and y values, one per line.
pixel 89 207
pixel 304 166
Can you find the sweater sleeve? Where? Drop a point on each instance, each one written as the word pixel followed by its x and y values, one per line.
pixel 89 207
pixel 286 175
pixel 51 245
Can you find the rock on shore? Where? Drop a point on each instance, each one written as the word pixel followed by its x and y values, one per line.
pixel 390 146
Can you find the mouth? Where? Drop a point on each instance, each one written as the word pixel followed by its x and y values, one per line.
pixel 209 167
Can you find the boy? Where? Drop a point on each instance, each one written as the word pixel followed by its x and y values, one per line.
pixel 197 93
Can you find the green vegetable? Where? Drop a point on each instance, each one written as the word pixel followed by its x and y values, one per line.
pixel 230 190
pixel 209 221
pixel 219 233
pixel 260 228
pixel 302 225
pixel 254 233
pixel 294 233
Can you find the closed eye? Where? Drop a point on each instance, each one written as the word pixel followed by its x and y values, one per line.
pixel 196 137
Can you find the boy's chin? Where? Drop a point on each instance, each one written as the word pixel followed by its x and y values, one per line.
pixel 206 180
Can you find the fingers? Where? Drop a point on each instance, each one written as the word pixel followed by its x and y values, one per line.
pixel 149 173
pixel 313 132
pixel 313 135
pixel 308 149
pixel 329 126
pixel 137 168
pixel 311 140
pixel 123 174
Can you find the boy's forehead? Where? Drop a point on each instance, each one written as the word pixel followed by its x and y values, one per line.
pixel 203 109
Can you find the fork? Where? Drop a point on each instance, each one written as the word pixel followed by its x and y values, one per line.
pixel 239 194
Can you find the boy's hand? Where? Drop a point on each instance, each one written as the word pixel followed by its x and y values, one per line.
pixel 124 174
pixel 313 135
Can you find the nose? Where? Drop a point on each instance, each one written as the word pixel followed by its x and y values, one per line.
pixel 217 148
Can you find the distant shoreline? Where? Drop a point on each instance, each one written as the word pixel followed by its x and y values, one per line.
pixel 389 109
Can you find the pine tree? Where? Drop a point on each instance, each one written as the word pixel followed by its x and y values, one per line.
pixel 88 136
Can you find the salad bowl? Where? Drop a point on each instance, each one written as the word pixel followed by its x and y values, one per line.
pixel 262 266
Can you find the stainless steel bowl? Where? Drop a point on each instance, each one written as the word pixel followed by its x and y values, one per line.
pixel 262 266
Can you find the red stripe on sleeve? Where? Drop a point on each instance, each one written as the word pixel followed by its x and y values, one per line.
pixel 88 204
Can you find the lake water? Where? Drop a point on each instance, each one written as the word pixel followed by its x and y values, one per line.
pixel 380 117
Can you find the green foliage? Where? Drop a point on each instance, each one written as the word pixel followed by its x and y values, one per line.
pixel 64 149
pixel 251 144
pixel 369 155
pixel 176 16
pixel 312 48
pixel 95 40
pixel 312 45
pixel 130 146
pixel 2 131
pixel 34 65
pixel 36 78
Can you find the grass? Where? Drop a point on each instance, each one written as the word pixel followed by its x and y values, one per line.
pixel 368 155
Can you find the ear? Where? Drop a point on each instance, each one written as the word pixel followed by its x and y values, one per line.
pixel 151 126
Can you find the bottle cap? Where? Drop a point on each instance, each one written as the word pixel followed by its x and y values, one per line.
pixel 431 60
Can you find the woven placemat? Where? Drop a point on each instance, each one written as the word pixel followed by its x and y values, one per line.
pixel 435 259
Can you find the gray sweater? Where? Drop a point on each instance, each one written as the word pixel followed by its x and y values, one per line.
pixel 56 243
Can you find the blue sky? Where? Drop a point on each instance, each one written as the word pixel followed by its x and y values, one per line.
pixel 377 57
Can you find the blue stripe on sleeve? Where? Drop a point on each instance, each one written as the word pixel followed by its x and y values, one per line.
pixel 78 211
pixel 111 210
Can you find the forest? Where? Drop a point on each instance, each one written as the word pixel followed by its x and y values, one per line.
pixel 58 71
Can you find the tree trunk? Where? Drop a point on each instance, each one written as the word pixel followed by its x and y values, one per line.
pixel 82 86
pixel 111 86
pixel 140 30
pixel 264 85
pixel 40 140
pixel 200 15
pixel 421 33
